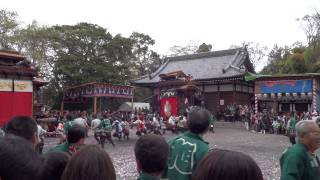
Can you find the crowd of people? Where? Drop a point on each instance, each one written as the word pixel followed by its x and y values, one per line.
pixel 184 157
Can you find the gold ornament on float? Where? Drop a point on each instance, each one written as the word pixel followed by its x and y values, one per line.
pixel 167 109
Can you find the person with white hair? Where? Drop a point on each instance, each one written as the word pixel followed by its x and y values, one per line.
pixel 299 162
pixel 314 116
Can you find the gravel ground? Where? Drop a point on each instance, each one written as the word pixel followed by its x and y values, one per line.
pixel 265 149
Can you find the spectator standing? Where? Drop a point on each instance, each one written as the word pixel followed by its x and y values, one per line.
pixel 227 165
pixel 54 165
pixel 151 152
pixel 299 162
pixel 90 163
pixel 75 139
pixel 189 148
pixel 25 127
pixel 18 159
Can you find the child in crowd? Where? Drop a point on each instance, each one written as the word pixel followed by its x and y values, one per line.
pixel 151 152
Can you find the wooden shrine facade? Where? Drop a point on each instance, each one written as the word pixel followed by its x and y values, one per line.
pixel 20 88
pixel 217 80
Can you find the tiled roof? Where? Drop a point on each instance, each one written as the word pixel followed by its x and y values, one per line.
pixel 18 70
pixel 203 66
pixel 12 55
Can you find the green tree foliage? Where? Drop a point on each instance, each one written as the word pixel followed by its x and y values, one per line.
pixel 88 53
pixel 34 42
pixel 298 58
pixel 255 50
pixel 179 50
pixel 9 26
pixel 204 48
pixel 68 55
pixel 190 48
pixel 144 60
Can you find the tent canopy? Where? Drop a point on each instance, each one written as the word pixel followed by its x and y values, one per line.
pixel 131 106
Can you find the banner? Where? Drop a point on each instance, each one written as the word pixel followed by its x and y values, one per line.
pixel 168 107
pixel 23 86
pixel 98 90
pixel 285 86
pixel 6 85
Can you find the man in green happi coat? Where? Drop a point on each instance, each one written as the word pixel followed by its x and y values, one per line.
pixel 189 148
pixel 300 162
pixel 75 139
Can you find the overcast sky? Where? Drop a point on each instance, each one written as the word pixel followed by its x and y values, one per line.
pixel 176 22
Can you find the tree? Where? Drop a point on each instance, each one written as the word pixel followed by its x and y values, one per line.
pixel 178 50
pixel 255 50
pixel 9 26
pixel 275 57
pixel 144 60
pixel 88 53
pixel 288 60
pixel 310 24
pixel 34 42
pixel 204 48
pixel 191 48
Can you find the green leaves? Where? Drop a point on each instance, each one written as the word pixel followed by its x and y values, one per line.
pixel 68 55
pixel 9 26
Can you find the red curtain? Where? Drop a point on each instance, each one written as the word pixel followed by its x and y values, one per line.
pixel 14 104
pixel 22 103
pixel 5 107
pixel 168 104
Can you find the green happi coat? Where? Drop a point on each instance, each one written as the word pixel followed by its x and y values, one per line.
pixel 105 125
pixel 186 151
pixel 67 126
pixel 298 164
pixel 146 176
pixel 66 147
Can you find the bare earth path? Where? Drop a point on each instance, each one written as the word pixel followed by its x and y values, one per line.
pixel 265 149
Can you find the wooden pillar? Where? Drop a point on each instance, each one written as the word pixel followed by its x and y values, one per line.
pixel 94 104
pixel 62 106
pixel 218 89
pixel 132 105
pixel 62 103
pixel 203 103
pixel 153 102
pixel 100 110
pixel 234 92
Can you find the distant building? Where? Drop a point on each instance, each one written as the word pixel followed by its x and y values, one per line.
pixel 212 79
pixel 288 93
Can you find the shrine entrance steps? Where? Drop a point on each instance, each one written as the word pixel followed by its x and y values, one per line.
pixel 226 124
